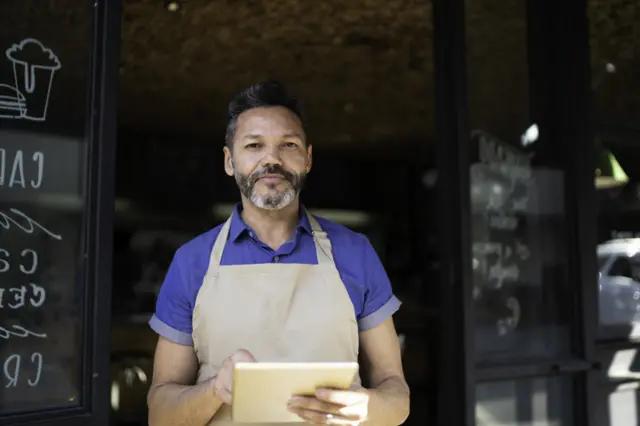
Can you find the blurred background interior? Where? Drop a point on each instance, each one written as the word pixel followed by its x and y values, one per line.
pixel 364 72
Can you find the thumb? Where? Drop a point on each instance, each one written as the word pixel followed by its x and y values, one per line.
pixel 242 355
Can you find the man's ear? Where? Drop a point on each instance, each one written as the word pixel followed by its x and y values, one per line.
pixel 309 158
pixel 228 161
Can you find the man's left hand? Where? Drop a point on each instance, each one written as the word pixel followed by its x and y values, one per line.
pixel 330 406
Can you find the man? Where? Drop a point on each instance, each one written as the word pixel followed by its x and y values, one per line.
pixel 274 283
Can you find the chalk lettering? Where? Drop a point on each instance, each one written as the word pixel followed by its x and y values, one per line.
pixel 505 222
pixel 509 323
pixel 17 171
pixel 27 266
pixel 4 263
pixel 16 297
pixel 493 151
pixel 19 331
pixel 36 358
pixel 34 261
pixel 38 157
pixel 13 378
pixel 30 227
pixel 12 370
pixel 17 174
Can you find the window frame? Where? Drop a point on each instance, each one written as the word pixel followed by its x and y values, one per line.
pixel 99 211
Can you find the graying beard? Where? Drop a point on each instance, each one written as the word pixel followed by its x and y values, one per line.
pixel 271 202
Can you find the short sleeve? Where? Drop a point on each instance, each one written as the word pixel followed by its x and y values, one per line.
pixel 379 300
pixel 172 319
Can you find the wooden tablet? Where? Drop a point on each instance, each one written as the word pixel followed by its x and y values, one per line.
pixel 261 390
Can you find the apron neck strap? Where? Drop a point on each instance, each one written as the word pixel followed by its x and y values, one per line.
pixel 321 240
pixel 218 246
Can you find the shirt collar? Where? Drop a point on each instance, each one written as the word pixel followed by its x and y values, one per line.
pixel 239 228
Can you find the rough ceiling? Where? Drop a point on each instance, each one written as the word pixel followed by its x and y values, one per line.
pixel 363 68
pixel 615 38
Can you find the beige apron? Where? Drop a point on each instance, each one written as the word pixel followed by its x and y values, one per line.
pixel 278 312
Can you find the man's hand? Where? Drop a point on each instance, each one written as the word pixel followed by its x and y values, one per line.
pixel 223 383
pixel 329 406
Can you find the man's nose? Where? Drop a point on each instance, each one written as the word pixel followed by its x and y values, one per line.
pixel 272 156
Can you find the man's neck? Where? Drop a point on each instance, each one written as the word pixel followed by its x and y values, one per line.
pixel 272 227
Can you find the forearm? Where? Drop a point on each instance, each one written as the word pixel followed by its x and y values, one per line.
pixel 178 405
pixel 388 403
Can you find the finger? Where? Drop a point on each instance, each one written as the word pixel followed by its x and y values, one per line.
pixel 242 355
pixel 319 418
pixel 225 376
pixel 223 385
pixel 227 365
pixel 225 395
pixel 315 404
pixel 341 397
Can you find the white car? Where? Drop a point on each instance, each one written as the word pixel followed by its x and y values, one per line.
pixel 619 281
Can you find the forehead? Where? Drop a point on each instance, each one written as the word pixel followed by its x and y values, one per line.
pixel 268 121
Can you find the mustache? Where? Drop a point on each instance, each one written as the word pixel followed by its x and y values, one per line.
pixel 271 170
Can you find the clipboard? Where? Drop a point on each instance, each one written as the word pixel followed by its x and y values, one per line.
pixel 261 390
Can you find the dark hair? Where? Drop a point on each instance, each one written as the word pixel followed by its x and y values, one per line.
pixel 268 93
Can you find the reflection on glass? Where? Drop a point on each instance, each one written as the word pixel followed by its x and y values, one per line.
pixel 619 283
pixel 528 402
pixel 616 104
pixel 618 393
pixel 517 197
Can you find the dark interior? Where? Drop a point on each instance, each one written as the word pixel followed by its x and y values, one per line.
pixel 365 73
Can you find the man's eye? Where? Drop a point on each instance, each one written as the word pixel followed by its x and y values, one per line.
pixel 291 145
pixel 252 146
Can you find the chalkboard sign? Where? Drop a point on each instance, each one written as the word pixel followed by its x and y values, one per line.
pixel 44 96
pixel 518 224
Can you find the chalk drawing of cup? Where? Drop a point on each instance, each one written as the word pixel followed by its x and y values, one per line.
pixel 34 67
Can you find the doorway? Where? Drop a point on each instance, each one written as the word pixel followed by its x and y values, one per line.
pixel 364 75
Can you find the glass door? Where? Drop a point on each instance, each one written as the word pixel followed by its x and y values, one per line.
pixel 527 110
pixel 56 180
pixel 518 345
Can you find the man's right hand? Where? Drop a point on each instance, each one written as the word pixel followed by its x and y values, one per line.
pixel 223 383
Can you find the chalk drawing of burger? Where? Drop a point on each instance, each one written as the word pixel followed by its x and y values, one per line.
pixel 12 102
pixel 34 67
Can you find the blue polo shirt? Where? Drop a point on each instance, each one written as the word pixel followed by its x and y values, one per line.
pixel 357 262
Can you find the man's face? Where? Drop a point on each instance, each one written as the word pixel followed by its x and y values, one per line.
pixel 269 158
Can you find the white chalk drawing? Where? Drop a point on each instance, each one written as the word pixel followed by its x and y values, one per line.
pixel 508 324
pixel 13 104
pixel 34 67
pixel 12 371
pixel 6 221
pixel 19 297
pixel 19 331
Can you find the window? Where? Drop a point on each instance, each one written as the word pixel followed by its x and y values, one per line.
pixel 520 69
pixel 517 191
pixel 525 402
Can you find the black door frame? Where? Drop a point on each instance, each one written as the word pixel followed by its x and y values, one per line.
pixel 455 380
pixel 558 44
pixel 99 209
